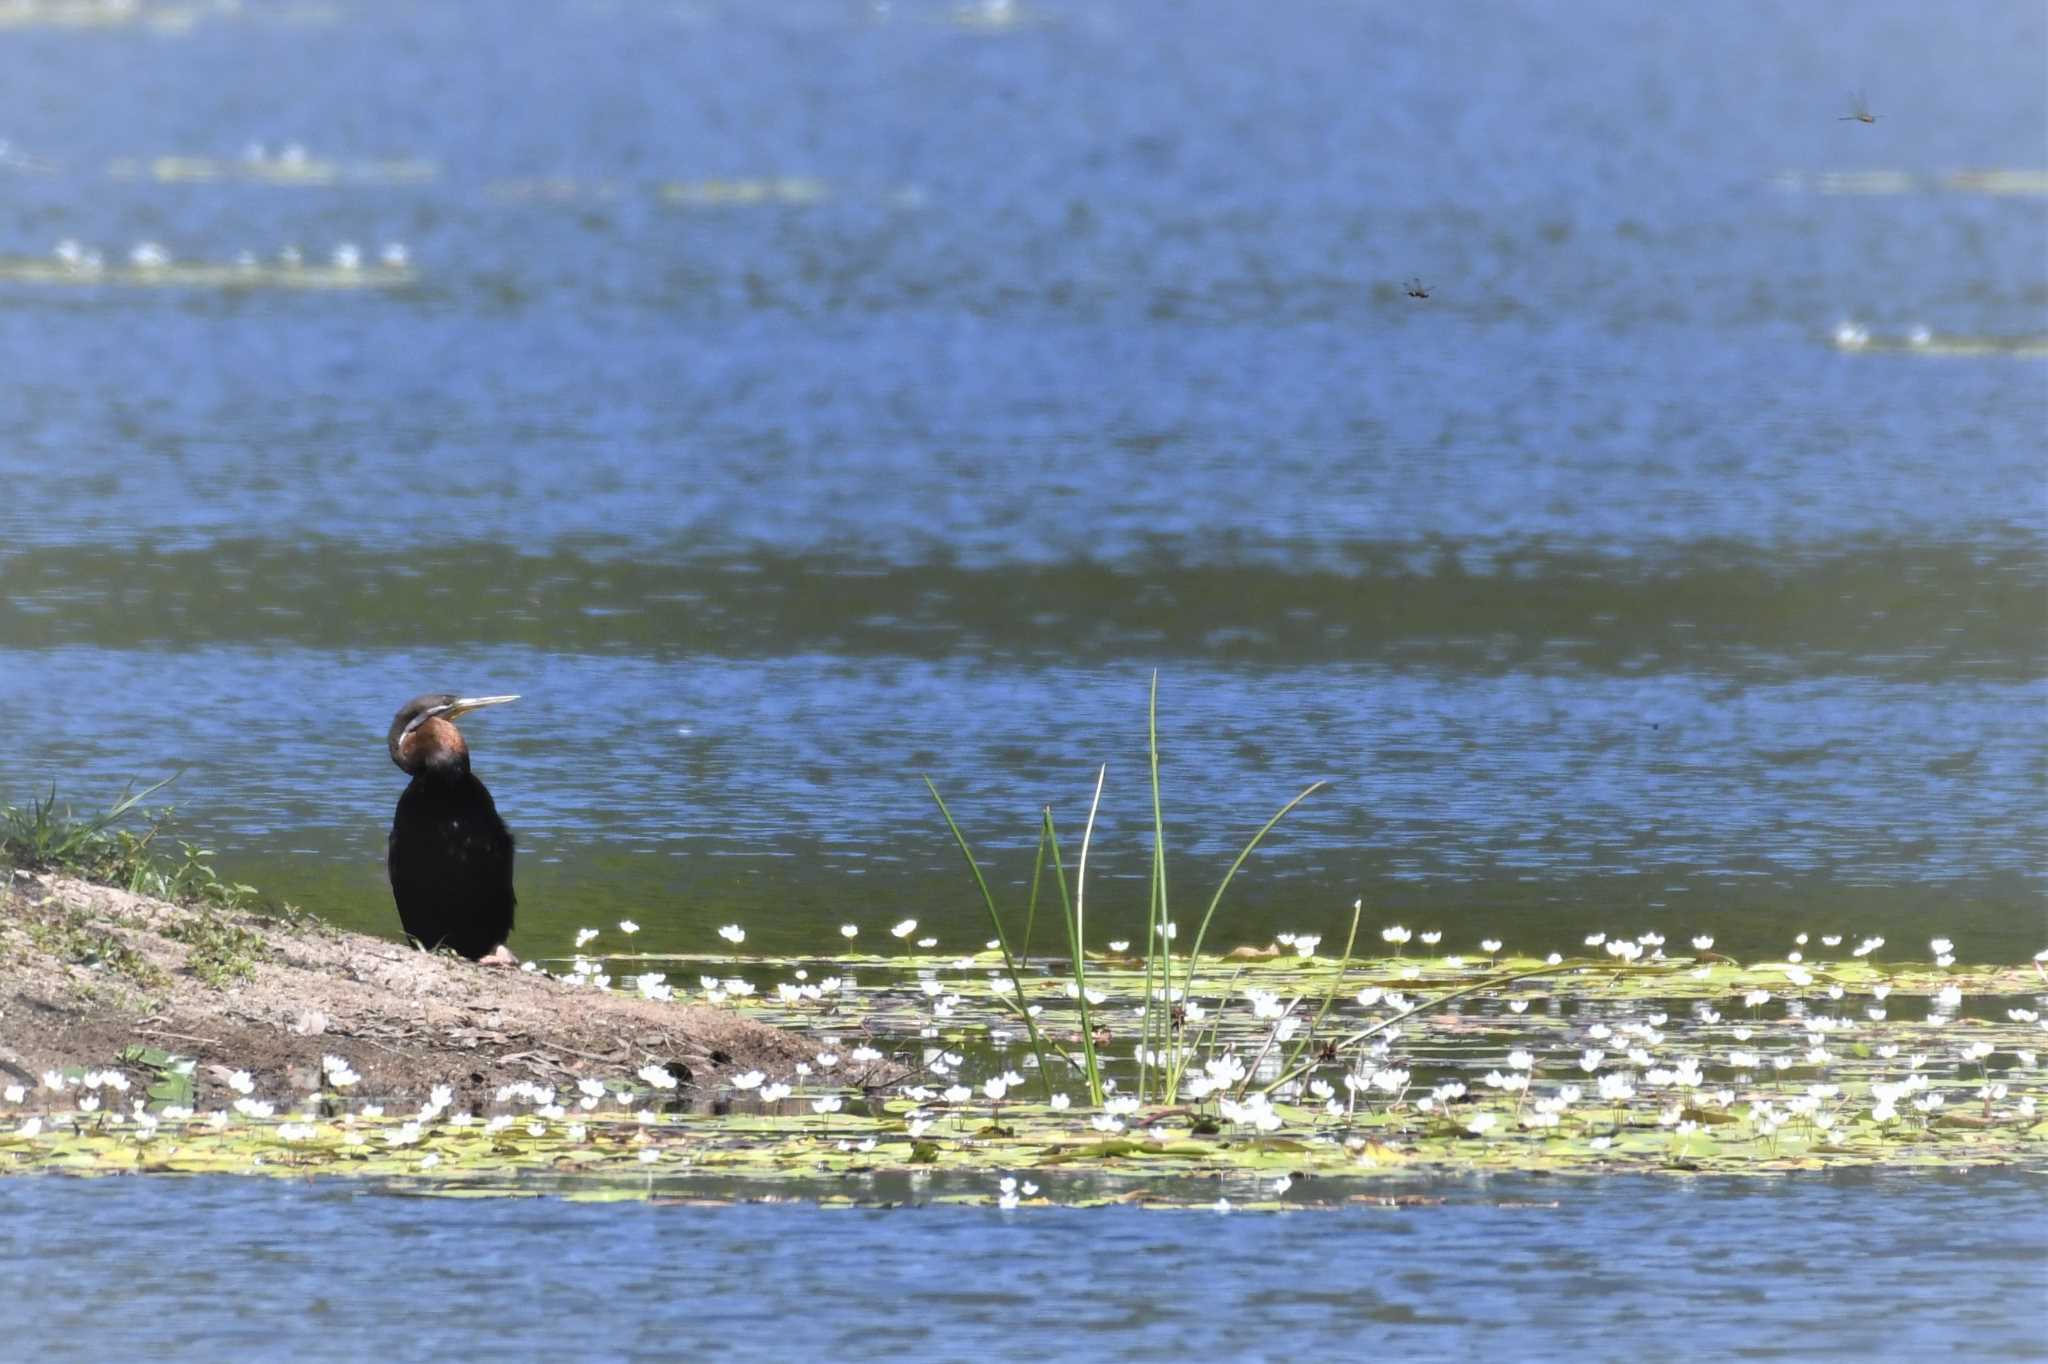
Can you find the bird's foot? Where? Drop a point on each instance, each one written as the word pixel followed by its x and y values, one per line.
pixel 498 956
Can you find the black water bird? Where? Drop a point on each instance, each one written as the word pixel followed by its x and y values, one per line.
pixel 450 855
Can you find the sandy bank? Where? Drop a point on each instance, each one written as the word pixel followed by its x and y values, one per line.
pixel 87 971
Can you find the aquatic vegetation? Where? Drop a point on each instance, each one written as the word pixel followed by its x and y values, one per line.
pixel 787 190
pixel 151 265
pixel 2024 182
pixel 1163 1012
pixel 1421 1065
pixel 41 836
pixel 291 165
pixel 1264 1073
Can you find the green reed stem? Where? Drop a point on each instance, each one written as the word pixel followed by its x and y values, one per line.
pixel 1349 1039
pixel 1077 937
pixel 1002 938
pixel 1031 904
pixel 1336 983
pixel 1202 931
pixel 1158 949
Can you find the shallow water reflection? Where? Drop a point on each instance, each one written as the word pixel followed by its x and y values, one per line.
pixel 1529 1269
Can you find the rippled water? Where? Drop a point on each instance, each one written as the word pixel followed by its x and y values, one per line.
pixel 1892 1267
pixel 793 400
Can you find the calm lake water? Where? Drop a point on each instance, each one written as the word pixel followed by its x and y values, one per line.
pixel 797 399
pixel 1902 1267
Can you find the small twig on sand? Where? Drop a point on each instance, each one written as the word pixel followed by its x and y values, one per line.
pixel 181 1036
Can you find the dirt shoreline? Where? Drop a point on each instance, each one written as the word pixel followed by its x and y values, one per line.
pixel 87 971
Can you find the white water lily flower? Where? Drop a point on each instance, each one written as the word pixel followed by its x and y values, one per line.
pixel 1106 1122
pixel 240 1082
pixel 1395 934
pixel 905 929
pixel 830 1103
pixel 774 1093
pixel 1265 1005
pixel 1951 997
pixel 1120 946
pixel 1480 1124
pixel 1489 945
pixel 1257 1112
pixel 1060 1103
pixel 1432 938
pixel 628 927
pixel 584 937
pixel 658 1076
pixel 957 1094
pixel 16 1093
pixel 849 930
pixel 750 1080
pixel 733 934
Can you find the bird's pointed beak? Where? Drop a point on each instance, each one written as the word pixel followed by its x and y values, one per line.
pixel 470 703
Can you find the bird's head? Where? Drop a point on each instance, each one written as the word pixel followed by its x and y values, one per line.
pixel 423 734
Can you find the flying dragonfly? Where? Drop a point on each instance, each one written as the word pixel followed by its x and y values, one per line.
pixel 1416 289
pixel 1859 110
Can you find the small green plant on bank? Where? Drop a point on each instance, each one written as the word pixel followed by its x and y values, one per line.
pixel 224 952
pixel 72 935
pixel 40 836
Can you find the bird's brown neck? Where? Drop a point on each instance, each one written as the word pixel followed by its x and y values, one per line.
pixel 434 747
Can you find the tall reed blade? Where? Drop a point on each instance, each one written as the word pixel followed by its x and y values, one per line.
pixel 1002 938
pixel 1156 1031
pixel 1202 930
pixel 1078 938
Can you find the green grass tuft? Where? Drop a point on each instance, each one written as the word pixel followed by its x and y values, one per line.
pixel 224 951
pixel 40 836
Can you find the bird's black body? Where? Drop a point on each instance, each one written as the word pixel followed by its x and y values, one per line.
pixel 450 855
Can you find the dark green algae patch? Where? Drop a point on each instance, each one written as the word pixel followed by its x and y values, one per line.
pixel 925 1086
